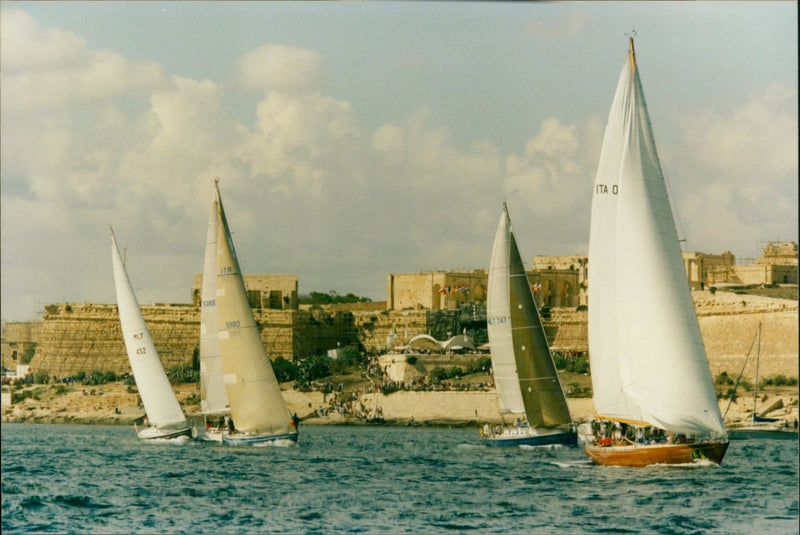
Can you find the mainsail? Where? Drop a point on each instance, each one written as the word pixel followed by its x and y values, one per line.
pixel 158 398
pixel 525 376
pixel 213 399
pixel 647 355
pixel 257 405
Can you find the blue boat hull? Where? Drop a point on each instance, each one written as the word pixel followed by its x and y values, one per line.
pixel 565 439
pixel 249 440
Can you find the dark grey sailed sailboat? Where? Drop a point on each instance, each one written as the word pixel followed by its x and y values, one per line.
pixel 528 387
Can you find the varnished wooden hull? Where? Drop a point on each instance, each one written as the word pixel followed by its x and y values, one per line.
pixel 647 454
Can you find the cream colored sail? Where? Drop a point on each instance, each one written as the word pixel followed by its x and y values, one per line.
pixel 158 397
pixel 213 399
pixel 256 402
pixel 646 352
pixel 525 377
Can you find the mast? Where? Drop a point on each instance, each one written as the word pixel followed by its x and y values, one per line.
pixel 633 56
pixel 755 389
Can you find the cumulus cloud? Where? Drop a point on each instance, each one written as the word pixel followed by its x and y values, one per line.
pixel 50 67
pixel 741 167
pixel 280 67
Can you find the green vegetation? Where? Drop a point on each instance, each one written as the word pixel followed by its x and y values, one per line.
pixel 41 377
pixel 575 364
pixel 61 389
pixel 183 373
pixel 97 377
pixel 778 380
pixel 27 355
pixel 331 298
pixel 22 395
pixel 439 374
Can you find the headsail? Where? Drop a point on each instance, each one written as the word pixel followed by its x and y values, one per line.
pixel 257 405
pixel 525 376
pixel 158 397
pixel 647 355
pixel 213 399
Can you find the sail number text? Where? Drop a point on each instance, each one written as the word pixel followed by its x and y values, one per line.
pixel 498 320
pixel 604 189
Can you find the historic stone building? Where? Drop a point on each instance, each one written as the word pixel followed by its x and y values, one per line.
pixel 777 265
pixel 436 290
pixel 557 281
pixel 275 292
pixel 18 343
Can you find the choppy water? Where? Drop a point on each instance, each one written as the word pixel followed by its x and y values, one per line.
pixel 103 479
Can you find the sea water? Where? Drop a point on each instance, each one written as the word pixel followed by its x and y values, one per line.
pixel 376 479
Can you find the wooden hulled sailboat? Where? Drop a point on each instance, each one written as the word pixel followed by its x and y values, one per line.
pixel 258 411
pixel 165 418
pixel 213 399
pixel 528 386
pixel 653 391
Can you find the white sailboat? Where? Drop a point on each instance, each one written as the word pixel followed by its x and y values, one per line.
pixel 528 386
pixel 213 399
pixel 258 411
pixel 164 414
pixel 653 391
pixel 757 427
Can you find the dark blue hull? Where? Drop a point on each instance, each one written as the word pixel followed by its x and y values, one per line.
pixel 566 439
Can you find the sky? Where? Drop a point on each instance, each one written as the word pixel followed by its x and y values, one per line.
pixel 357 139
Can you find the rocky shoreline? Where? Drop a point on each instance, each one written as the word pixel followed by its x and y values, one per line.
pixel 113 404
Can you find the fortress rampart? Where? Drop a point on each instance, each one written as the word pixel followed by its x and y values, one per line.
pixel 87 337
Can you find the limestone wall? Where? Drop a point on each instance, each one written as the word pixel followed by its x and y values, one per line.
pixel 85 337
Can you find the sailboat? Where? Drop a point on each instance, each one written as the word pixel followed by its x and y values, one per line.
pixel 653 392
pixel 527 384
pixel 213 399
pixel 259 413
pixel 758 427
pixel 165 418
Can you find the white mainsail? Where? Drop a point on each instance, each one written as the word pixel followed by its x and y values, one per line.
pixel 257 405
pixel 213 399
pixel 525 376
pixel 158 397
pixel 647 356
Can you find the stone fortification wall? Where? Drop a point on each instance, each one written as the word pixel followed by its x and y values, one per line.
pixel 374 328
pixel 729 323
pixel 85 337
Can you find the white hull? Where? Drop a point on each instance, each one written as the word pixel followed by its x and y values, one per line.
pixel 150 433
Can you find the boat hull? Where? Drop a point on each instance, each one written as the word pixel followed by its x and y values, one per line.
pixel 151 433
pixel 241 439
pixel 567 438
pixel 647 454
pixel 755 433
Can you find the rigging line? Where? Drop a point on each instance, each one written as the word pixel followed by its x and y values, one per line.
pixel 747 356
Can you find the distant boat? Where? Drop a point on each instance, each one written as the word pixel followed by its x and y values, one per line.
pixel 653 391
pixel 165 417
pixel 757 427
pixel 213 399
pixel 258 411
pixel 528 388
